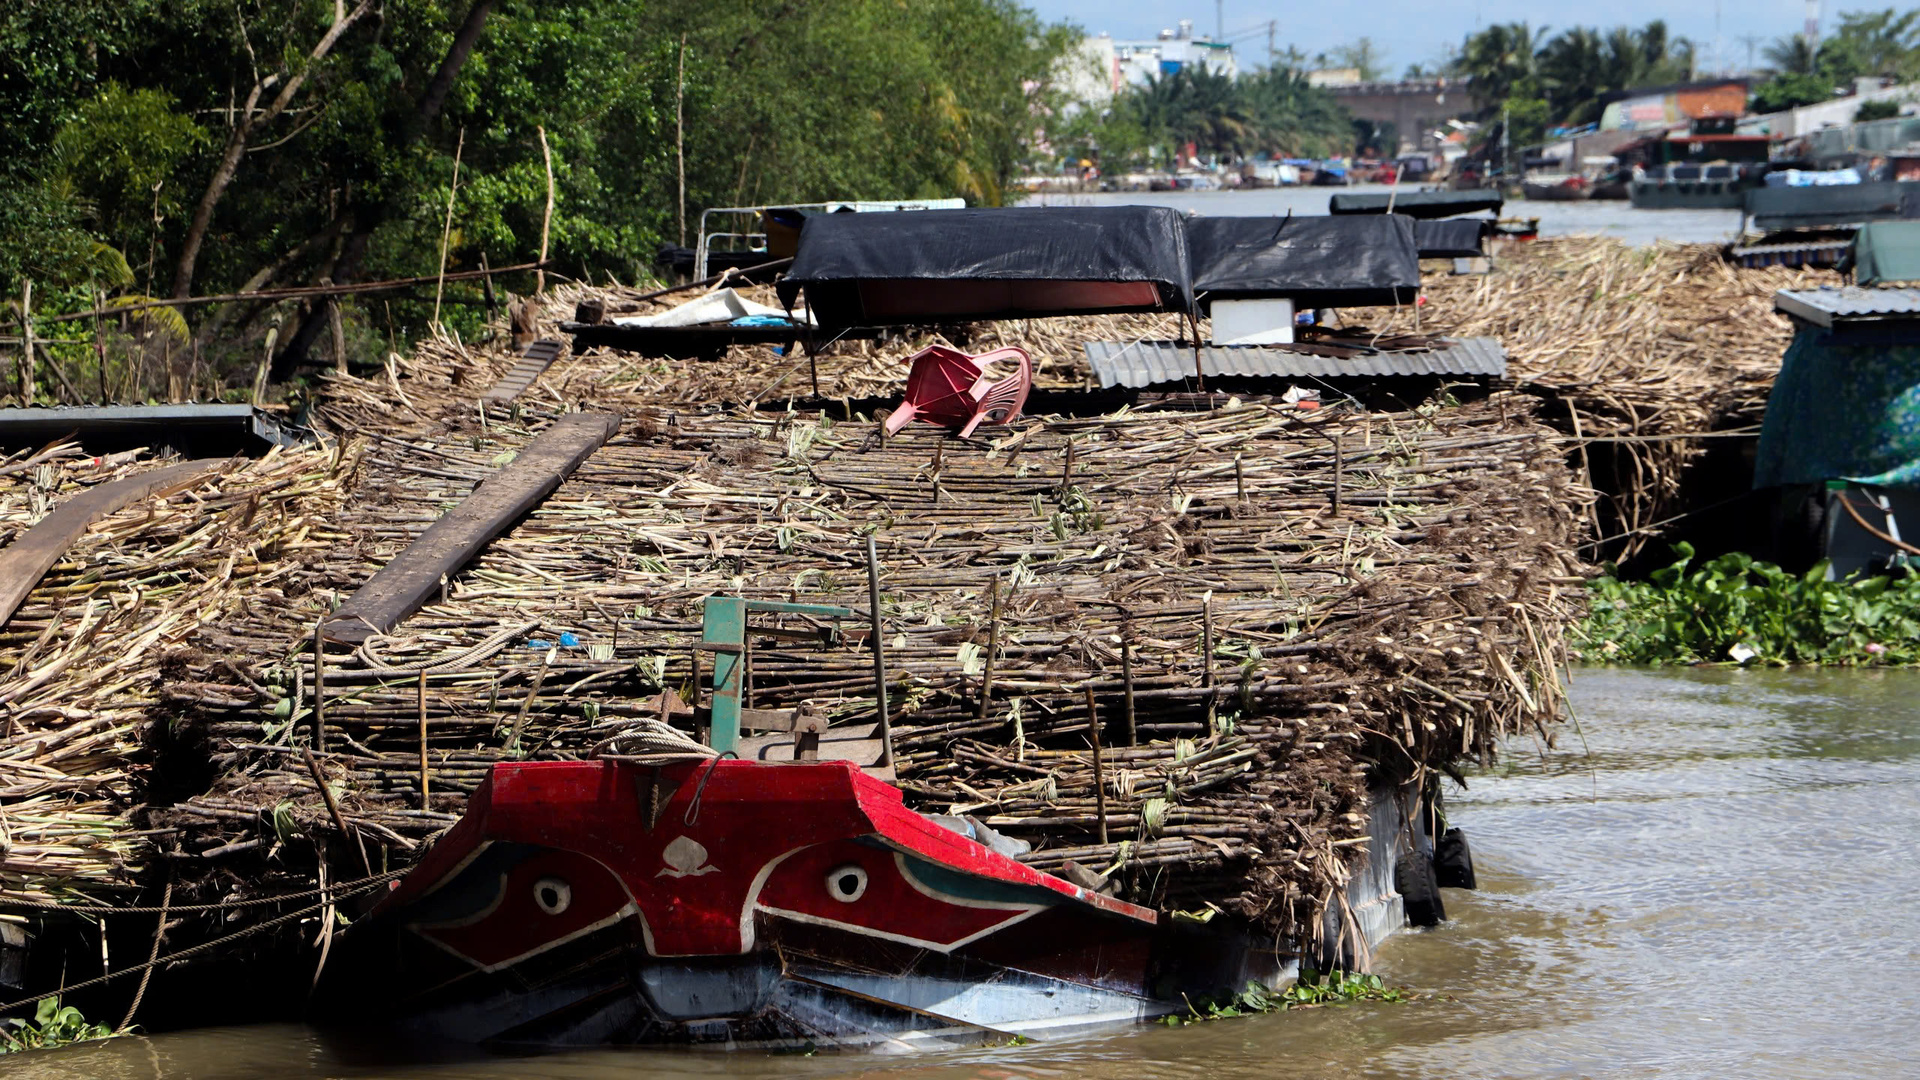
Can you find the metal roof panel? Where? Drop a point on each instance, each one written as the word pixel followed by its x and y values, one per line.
pixel 1147 363
pixel 1827 305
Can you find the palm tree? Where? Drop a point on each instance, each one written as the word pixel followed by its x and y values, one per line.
pixel 1500 56
pixel 1791 55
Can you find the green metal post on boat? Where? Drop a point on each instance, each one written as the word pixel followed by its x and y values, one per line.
pixel 723 632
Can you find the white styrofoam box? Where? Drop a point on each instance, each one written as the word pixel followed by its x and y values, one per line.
pixel 1253 322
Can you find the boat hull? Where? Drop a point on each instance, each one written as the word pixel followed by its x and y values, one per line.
pixel 741 903
pixel 1559 192
pixel 1688 194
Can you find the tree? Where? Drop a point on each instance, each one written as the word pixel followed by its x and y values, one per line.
pixel 1499 57
pixel 279 161
pixel 1364 56
pixel 1574 71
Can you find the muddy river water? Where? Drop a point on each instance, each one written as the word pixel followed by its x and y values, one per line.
pixel 1716 876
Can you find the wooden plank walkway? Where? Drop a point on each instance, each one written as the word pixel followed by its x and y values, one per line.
pixel 33 553
pixel 403 585
pixel 534 361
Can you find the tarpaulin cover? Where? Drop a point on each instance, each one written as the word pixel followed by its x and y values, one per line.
pixel 1014 263
pixel 1317 261
pixel 1885 251
pixel 1419 204
pixel 1845 406
pixel 1457 238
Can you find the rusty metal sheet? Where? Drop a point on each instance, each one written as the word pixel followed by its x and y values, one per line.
pixel 399 588
pixel 33 553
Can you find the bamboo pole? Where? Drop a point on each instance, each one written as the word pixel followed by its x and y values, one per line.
pixel 27 389
pixel 878 633
pixel 546 223
pixel 446 231
pixel 680 136
pixel 425 798
pixel 1099 773
pixel 993 648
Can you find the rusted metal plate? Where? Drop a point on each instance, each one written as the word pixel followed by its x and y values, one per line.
pixel 33 553
pixel 534 361
pixel 403 585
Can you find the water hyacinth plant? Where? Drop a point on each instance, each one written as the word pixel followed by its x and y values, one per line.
pixel 53 1024
pixel 1740 610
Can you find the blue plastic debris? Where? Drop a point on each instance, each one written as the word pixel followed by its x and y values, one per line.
pixel 536 643
pixel 568 641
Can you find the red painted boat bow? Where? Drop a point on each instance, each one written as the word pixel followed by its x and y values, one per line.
pixel 698 850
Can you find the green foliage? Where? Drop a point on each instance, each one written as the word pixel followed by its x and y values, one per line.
pixel 1885 42
pixel 1311 990
pixel 120 152
pixel 1273 111
pixel 1791 91
pixel 52 1025
pixel 1569 74
pixel 1737 609
pixel 119 111
pixel 1339 988
pixel 1870 111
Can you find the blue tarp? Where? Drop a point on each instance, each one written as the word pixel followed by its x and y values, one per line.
pixel 1846 406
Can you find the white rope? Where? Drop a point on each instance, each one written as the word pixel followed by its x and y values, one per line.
pixel 648 742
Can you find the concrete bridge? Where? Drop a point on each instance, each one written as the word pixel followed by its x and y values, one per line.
pixel 1415 107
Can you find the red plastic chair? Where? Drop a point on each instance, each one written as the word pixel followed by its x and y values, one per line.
pixel 948 387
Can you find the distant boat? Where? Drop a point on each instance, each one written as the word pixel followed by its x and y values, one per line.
pixel 1613 186
pixel 1719 186
pixel 1557 187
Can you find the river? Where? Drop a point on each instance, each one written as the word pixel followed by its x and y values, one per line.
pixel 1715 875
pixel 1605 217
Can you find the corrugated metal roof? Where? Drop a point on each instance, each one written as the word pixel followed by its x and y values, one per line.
pixel 1148 363
pixel 1826 306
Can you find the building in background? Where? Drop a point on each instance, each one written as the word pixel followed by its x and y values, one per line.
pixel 1660 107
pixel 1132 62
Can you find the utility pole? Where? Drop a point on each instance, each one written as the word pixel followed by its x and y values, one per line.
pixel 1219 20
pixel 1813 26
pixel 1506 133
pixel 1272 25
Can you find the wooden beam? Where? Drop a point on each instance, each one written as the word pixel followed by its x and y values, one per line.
pixel 534 360
pixel 28 558
pixel 402 586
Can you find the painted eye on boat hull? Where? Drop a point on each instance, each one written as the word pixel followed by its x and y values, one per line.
pixel 552 895
pixel 846 883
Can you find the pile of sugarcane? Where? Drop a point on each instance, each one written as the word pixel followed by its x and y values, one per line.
pixel 1642 349
pixel 91 659
pixel 1246 611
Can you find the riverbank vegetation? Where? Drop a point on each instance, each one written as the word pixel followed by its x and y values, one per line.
pixel 1273 111
pixel 195 147
pixel 1539 82
pixel 53 1024
pixel 1739 610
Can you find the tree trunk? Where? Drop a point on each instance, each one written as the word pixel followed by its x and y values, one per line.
pixel 237 146
pixel 367 218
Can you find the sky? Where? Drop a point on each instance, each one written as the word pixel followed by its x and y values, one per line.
pixel 1419 31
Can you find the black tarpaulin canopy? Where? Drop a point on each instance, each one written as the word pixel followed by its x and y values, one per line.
pixel 1419 204
pixel 1316 261
pixel 1455 238
pixel 1014 263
